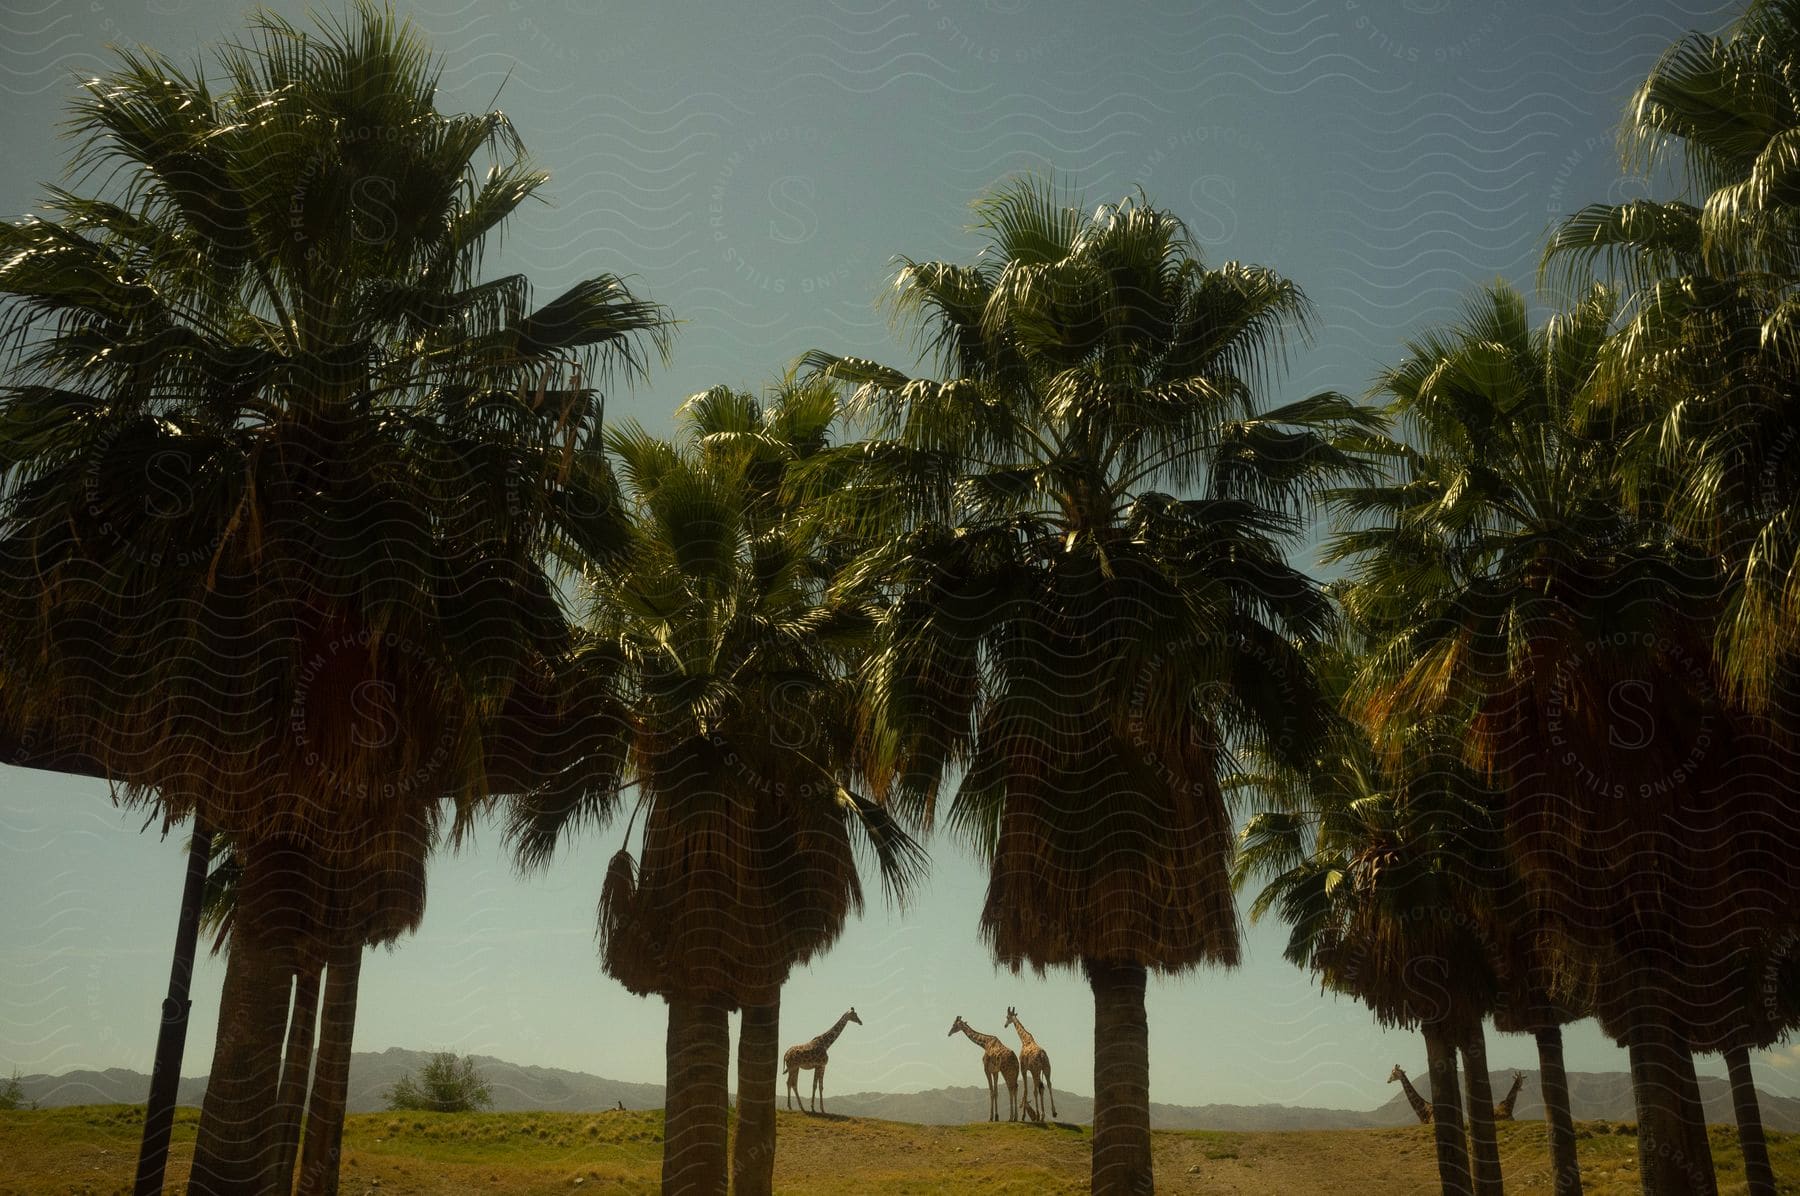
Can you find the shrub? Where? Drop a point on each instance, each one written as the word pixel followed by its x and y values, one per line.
pixel 447 1084
pixel 12 1094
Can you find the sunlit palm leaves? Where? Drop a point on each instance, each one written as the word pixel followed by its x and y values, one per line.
pixel 1568 638
pixel 1706 354
pixel 1090 592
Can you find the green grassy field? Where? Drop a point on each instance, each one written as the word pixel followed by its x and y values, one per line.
pixel 92 1150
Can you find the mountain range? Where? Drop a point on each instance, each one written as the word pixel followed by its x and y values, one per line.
pixel 516 1088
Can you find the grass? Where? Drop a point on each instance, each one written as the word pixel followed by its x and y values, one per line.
pixel 92 1151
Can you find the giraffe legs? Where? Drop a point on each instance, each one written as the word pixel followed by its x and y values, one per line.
pixel 819 1089
pixel 993 1096
pixel 1052 1090
pixel 793 1087
pixel 1012 1099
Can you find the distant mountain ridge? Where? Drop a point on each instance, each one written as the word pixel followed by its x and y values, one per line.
pixel 519 1088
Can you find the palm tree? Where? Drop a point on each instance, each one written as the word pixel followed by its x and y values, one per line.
pixel 326 984
pixel 1538 998
pixel 1381 868
pixel 1706 357
pixel 1710 284
pixel 281 480
pixel 733 666
pixel 770 439
pixel 1074 640
pixel 1513 593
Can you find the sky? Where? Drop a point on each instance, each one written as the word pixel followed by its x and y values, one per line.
pixel 756 168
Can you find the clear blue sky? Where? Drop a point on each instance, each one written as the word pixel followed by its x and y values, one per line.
pixel 755 167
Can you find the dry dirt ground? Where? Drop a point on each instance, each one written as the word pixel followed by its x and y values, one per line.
pixel 92 1150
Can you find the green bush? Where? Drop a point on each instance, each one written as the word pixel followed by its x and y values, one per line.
pixel 448 1084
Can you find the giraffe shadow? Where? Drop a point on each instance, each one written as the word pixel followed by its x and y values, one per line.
pixel 827 1116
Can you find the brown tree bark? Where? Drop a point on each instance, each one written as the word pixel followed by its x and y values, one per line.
pixel 694 1117
pixel 1693 1116
pixel 238 1148
pixel 1554 1080
pixel 1121 1080
pixel 1483 1143
pixel 322 1147
pixel 296 1072
pixel 1758 1174
pixel 1667 1165
pixel 759 1062
pixel 1446 1113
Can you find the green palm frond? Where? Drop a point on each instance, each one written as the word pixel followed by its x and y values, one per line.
pixel 1077 533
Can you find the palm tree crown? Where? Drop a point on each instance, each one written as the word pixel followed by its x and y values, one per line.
pixel 1071 636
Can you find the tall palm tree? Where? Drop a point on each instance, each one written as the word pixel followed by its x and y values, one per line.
pixel 733 670
pixel 1381 869
pixel 1512 592
pixel 1539 998
pixel 769 439
pixel 282 480
pixel 314 1087
pixel 1707 355
pixel 1710 340
pixel 1089 511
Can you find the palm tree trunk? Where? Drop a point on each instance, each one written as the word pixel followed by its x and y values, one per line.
pixel 1446 1113
pixel 238 1146
pixel 759 1060
pixel 694 1122
pixel 1558 1116
pixel 1666 1162
pixel 171 1039
pixel 296 1071
pixel 1121 1080
pixel 1693 1116
pixel 1483 1143
pixel 1758 1174
pixel 322 1148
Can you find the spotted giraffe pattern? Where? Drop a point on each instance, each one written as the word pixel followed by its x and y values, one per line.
pixel 1034 1060
pixel 811 1055
pixel 997 1060
pixel 1420 1105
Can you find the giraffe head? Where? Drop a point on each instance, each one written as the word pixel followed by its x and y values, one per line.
pixel 1011 1017
pixel 1396 1074
pixel 956 1027
pixel 852 1016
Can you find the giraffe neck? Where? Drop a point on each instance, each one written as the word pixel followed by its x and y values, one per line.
pixel 981 1040
pixel 1025 1038
pixel 1512 1093
pixel 830 1036
pixel 1420 1104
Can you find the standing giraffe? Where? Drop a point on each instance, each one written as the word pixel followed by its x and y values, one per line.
pixel 1503 1110
pixel 1420 1105
pixel 997 1059
pixel 1035 1060
pixel 811 1054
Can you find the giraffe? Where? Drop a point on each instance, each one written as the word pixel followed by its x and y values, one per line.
pixel 997 1059
pixel 811 1055
pixel 1034 1060
pixel 1420 1105
pixel 1503 1110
